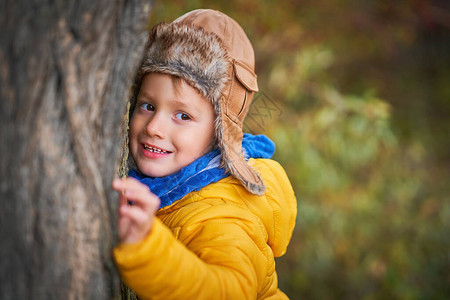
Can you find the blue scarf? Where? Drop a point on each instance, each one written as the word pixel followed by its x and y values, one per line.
pixel 202 171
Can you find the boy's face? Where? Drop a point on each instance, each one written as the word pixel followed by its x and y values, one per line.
pixel 171 126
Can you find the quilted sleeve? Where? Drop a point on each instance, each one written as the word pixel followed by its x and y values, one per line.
pixel 283 202
pixel 221 254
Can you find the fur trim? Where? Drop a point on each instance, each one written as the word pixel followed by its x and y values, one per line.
pixel 228 162
pixel 187 51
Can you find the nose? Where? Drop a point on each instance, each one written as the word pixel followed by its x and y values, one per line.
pixel 155 126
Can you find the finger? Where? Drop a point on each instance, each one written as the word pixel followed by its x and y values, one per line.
pixel 134 223
pixel 123 199
pixel 149 205
pixel 145 201
pixel 131 188
pixel 124 226
pixel 137 217
pixel 139 194
pixel 129 183
pixel 117 186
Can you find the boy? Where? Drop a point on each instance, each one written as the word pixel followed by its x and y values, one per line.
pixel 223 209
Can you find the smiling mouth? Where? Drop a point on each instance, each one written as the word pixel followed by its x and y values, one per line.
pixel 155 150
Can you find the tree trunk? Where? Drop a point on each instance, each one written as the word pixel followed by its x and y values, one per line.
pixel 65 72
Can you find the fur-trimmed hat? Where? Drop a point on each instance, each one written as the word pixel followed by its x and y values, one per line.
pixel 212 53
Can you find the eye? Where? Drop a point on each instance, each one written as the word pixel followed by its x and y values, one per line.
pixel 183 116
pixel 147 107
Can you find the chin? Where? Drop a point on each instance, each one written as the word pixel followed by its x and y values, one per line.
pixel 156 173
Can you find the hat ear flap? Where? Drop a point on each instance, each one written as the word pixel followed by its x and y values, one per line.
pixel 234 161
pixel 234 105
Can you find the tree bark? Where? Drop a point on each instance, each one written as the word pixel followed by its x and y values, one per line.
pixel 65 72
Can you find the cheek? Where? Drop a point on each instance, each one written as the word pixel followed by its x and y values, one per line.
pixel 210 138
pixel 135 124
pixel 205 139
pixel 133 133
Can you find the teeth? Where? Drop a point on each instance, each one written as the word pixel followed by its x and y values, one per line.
pixel 155 150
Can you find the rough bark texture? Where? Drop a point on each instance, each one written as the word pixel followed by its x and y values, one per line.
pixel 65 72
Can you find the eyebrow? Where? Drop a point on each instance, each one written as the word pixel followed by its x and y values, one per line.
pixel 144 95
pixel 182 104
pixel 189 108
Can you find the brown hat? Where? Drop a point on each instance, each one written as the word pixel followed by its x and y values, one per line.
pixel 212 53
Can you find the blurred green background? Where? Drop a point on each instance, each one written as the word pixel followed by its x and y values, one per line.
pixel 356 95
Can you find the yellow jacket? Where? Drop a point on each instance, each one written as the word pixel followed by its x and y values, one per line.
pixel 217 243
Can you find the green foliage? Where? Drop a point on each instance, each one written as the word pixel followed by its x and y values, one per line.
pixel 361 95
pixel 365 221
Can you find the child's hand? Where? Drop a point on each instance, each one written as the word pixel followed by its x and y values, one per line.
pixel 136 220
